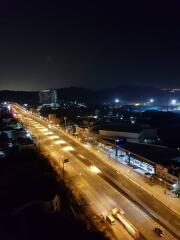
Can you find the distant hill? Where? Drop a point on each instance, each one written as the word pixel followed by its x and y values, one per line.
pixel 19 96
pixel 124 93
pixel 74 93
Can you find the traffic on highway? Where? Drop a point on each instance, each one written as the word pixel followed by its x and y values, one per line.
pixel 109 193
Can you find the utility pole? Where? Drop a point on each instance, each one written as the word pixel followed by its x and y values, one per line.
pixel 116 148
pixel 129 158
pixel 116 102
pixel 64 161
pixel 65 122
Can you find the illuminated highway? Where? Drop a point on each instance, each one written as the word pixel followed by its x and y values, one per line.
pixel 101 186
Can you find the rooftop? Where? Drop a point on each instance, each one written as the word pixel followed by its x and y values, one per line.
pixel 122 127
pixel 159 154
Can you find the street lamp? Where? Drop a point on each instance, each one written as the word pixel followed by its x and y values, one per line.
pixel 116 148
pixel 64 161
pixel 129 158
pixel 151 100
pixel 116 102
pixel 173 101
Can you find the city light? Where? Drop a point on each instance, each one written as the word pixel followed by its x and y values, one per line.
pixel 173 101
pixel 60 142
pixel 68 149
pixel 38 126
pixel 44 130
pixel 28 135
pixel 53 137
pixel 94 169
pixel 48 133
pixel 87 145
pixel 102 191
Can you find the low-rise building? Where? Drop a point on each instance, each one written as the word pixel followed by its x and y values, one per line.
pixel 130 132
pixel 145 158
pixel 25 143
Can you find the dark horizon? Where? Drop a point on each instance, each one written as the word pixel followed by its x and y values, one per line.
pixel 48 44
pixel 89 88
pixel 125 94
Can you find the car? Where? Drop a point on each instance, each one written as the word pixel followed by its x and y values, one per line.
pixel 158 231
pixel 117 210
pixel 110 219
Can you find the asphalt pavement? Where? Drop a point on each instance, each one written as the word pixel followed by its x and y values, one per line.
pixel 107 189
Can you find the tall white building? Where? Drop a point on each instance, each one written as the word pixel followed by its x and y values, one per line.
pixel 48 97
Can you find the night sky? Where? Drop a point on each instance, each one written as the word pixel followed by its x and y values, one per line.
pixel 55 44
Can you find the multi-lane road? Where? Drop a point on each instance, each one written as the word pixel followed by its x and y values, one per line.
pixel 105 189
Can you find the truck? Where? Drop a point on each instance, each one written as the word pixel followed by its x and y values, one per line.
pixel 119 214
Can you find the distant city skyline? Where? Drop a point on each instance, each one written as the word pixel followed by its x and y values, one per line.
pixel 54 44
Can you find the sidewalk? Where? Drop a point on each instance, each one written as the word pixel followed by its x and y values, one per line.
pixel 156 190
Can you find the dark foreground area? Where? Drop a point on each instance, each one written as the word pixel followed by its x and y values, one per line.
pixel 27 184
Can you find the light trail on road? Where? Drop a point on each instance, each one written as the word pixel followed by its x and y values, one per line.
pixel 100 191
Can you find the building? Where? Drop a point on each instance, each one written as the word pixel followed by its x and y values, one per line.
pixel 23 140
pixel 48 97
pixel 130 132
pixel 53 119
pixel 82 131
pixel 131 150
pixel 144 158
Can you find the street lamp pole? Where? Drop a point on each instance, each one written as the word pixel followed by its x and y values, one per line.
pixel 173 103
pixel 64 161
pixel 116 148
pixel 65 122
pixel 116 102
pixel 129 158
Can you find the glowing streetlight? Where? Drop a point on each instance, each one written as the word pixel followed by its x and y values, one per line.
pixel 173 101
pixel 151 100
pixel 116 102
